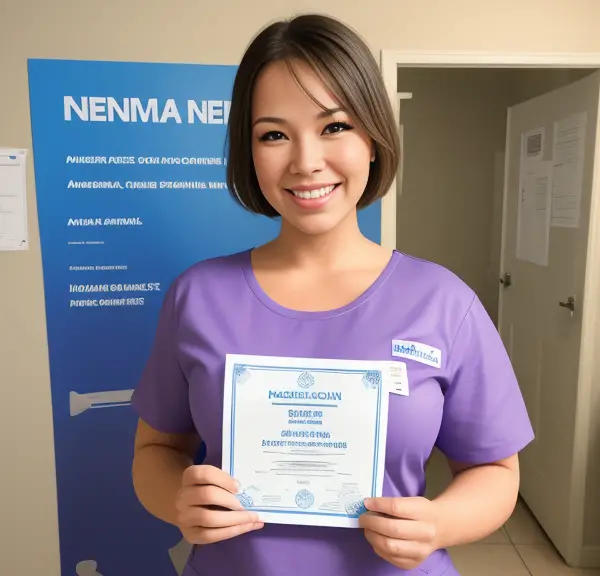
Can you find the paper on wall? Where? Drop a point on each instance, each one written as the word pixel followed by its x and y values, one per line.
pixel 535 203
pixel 13 199
pixel 532 148
pixel 569 154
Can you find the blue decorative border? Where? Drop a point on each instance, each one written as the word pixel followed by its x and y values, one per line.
pixel 371 379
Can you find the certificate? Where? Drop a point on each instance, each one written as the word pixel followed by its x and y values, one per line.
pixel 305 438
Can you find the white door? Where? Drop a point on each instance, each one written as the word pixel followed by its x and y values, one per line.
pixel 550 153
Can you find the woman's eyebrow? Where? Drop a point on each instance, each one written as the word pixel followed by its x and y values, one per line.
pixel 276 120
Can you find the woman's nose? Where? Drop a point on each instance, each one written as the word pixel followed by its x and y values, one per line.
pixel 308 157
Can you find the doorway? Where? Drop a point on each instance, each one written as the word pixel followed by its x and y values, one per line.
pixel 454 137
pixel 461 202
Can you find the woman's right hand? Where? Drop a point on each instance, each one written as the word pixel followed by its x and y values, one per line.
pixel 207 509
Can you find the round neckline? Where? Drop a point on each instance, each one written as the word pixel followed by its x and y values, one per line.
pixel 274 306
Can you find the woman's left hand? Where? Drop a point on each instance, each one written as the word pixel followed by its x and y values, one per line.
pixel 402 531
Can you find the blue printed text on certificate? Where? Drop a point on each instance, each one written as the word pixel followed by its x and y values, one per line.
pixel 305 437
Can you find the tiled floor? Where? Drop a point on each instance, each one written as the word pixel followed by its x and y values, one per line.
pixel 520 548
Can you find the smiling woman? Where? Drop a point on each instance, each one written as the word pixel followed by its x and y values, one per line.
pixel 324 95
pixel 312 140
pixel 311 167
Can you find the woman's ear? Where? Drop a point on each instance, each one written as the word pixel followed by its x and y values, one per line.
pixel 373 151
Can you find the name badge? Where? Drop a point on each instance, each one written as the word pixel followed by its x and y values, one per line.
pixel 398 378
pixel 418 352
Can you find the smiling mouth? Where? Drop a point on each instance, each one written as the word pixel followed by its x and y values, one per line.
pixel 313 194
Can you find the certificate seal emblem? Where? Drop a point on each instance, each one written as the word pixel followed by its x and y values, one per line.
pixel 304 499
pixel 306 380
pixel 240 374
pixel 372 379
pixel 245 500
pixel 355 509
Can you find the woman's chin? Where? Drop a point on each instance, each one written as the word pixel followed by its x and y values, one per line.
pixel 315 224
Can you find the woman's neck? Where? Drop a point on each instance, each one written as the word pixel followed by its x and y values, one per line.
pixel 337 249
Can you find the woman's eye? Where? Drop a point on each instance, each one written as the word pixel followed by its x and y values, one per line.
pixel 337 127
pixel 271 136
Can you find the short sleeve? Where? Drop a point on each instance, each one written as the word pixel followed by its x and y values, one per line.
pixel 161 396
pixel 485 418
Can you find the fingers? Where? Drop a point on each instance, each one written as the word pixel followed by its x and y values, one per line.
pixel 200 517
pixel 198 475
pixel 207 495
pixel 401 553
pixel 416 508
pixel 202 536
pixel 390 546
pixel 410 530
pixel 208 510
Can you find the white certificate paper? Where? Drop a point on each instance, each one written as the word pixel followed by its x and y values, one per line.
pixel 306 438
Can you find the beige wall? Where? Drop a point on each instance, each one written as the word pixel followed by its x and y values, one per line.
pixel 180 31
pixel 450 208
pixel 453 126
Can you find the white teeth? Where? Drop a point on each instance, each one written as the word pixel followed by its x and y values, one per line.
pixel 314 193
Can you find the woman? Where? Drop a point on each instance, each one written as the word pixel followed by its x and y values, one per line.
pixel 312 139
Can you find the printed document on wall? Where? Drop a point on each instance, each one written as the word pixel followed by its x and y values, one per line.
pixel 13 200
pixel 532 148
pixel 569 153
pixel 535 202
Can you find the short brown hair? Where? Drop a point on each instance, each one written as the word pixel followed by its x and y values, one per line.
pixel 344 63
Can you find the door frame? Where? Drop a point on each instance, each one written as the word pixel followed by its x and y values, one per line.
pixel 390 61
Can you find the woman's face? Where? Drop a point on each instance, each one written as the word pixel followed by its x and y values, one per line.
pixel 312 166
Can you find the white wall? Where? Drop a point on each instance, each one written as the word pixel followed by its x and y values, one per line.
pixel 179 31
